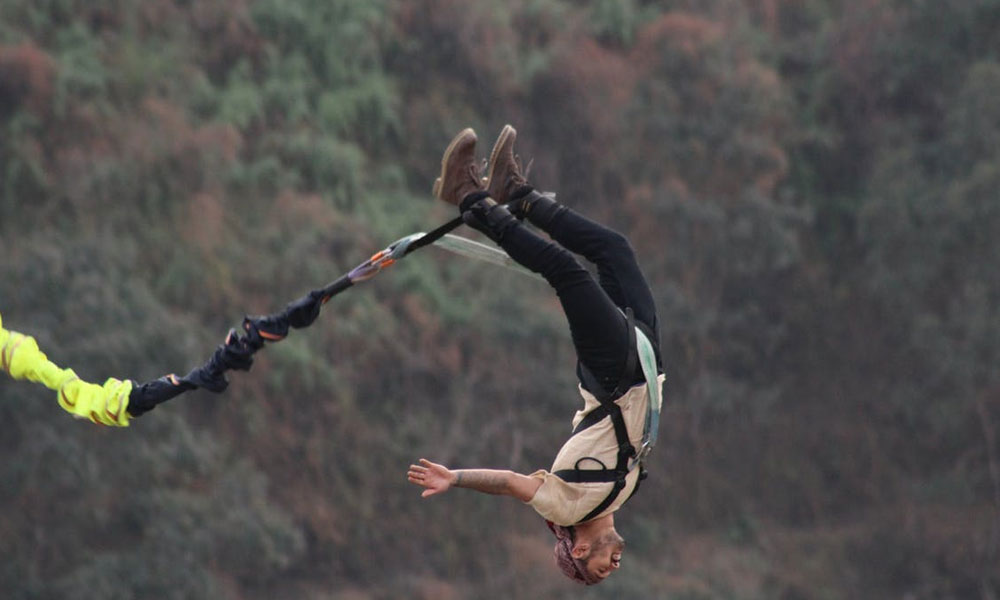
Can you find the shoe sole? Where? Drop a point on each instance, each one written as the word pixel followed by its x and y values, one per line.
pixel 436 189
pixel 506 133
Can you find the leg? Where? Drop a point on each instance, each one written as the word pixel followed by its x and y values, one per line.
pixel 617 268
pixel 597 327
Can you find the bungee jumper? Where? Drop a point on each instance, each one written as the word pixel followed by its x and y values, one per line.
pixel 118 400
pixel 613 326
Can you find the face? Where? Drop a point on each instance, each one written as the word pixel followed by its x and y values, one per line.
pixel 606 555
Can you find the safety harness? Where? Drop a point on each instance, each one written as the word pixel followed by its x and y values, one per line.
pixel 641 351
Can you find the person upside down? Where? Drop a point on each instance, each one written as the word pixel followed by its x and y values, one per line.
pixel 593 474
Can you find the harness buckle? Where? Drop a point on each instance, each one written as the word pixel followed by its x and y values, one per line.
pixel 626 452
pixel 644 450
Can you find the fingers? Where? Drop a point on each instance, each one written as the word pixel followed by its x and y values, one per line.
pixel 418 476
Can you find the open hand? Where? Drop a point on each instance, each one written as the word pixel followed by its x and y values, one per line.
pixel 436 478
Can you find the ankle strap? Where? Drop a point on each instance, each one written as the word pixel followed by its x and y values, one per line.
pixel 471 198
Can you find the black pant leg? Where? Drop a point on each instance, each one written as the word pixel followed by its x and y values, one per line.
pixel 597 327
pixel 617 268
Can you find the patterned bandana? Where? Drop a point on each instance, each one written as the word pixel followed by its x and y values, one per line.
pixel 571 567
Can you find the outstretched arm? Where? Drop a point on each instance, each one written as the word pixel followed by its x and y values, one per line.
pixel 439 478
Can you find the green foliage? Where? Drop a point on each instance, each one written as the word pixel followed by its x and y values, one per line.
pixel 240 102
pixel 614 20
pixel 23 172
pixel 82 75
pixel 364 111
pixel 289 88
pixel 973 121
pixel 330 51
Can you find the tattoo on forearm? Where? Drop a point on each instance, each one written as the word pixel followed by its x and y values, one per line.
pixel 483 480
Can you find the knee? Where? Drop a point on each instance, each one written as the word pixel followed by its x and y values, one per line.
pixel 563 262
pixel 562 268
pixel 616 245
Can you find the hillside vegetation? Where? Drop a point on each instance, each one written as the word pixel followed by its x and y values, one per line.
pixel 811 186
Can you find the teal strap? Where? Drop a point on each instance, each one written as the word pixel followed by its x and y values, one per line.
pixel 647 359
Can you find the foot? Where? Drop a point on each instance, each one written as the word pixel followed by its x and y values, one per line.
pixel 459 172
pixel 505 182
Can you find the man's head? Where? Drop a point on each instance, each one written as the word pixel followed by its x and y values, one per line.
pixel 587 559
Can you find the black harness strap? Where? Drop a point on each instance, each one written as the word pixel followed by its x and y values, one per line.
pixel 608 408
pixel 432 236
pixel 238 349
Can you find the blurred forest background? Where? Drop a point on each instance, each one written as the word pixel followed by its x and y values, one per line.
pixel 811 186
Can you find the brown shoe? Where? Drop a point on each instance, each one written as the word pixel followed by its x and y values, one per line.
pixel 503 175
pixel 459 172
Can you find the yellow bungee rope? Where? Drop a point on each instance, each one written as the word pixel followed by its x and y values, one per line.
pixel 105 405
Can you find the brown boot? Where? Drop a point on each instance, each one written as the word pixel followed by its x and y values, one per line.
pixel 505 183
pixel 459 172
